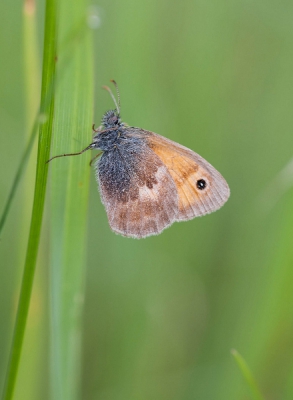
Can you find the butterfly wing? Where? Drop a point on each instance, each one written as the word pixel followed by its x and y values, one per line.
pixel 137 190
pixel 201 188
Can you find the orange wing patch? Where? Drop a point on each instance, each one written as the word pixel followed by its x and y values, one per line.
pixel 187 170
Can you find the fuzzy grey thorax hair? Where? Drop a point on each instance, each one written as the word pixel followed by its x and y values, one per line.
pixel 111 119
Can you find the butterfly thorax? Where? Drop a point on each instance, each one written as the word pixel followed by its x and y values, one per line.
pixel 113 132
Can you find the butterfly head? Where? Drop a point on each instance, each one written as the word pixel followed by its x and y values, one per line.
pixel 111 119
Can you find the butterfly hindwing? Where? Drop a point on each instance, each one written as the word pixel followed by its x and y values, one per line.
pixel 137 190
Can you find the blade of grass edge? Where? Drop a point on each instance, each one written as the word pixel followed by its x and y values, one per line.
pixel 44 143
pixel 251 382
pixel 69 202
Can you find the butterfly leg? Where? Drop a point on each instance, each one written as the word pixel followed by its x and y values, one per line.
pixel 93 159
pixel 96 130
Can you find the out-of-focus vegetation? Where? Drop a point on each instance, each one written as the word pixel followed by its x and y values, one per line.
pixel 162 314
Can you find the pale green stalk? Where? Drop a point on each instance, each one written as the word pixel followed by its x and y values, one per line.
pixel 39 199
pixel 69 199
pixel 251 382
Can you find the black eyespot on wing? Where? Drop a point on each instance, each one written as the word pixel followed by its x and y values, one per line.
pixel 201 184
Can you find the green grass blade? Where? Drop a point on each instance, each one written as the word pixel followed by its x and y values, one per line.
pixel 18 175
pixel 39 199
pixel 30 368
pixel 69 198
pixel 251 382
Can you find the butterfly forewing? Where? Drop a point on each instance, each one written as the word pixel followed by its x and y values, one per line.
pixel 188 171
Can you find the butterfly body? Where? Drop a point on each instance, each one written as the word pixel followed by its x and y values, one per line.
pixel 147 182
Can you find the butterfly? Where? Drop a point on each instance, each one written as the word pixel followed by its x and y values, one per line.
pixel 147 181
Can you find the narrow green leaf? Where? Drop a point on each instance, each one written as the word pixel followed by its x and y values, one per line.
pixel 39 198
pixel 69 198
pixel 251 382
pixel 29 368
pixel 18 175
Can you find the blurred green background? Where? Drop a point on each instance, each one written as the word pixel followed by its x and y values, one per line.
pixel 162 314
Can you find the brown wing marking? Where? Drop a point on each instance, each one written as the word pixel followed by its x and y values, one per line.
pixel 148 213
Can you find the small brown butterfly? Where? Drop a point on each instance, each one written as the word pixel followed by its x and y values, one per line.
pixel 146 181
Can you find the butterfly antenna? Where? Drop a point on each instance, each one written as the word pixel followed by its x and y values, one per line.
pixel 117 90
pixel 113 98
